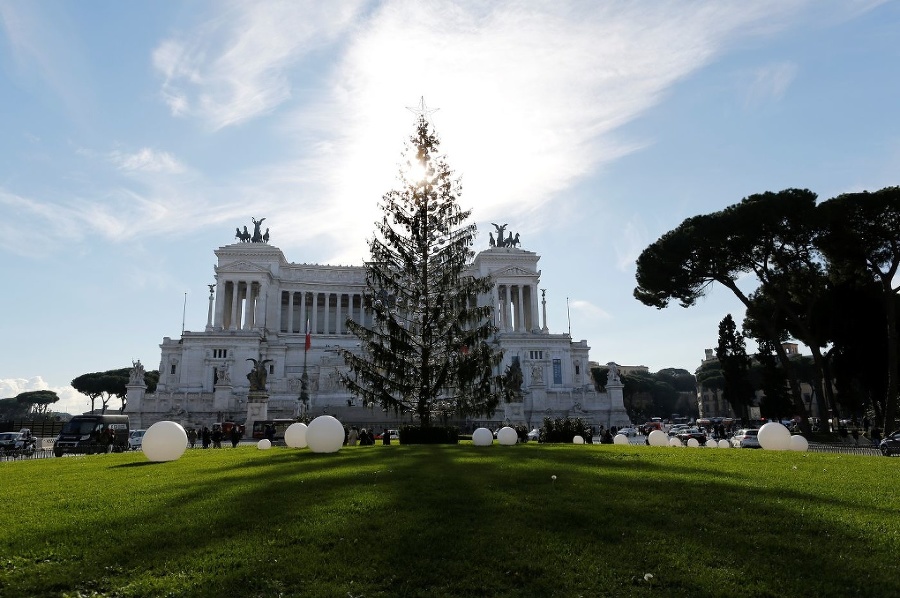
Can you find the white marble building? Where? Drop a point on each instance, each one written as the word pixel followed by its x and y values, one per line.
pixel 259 309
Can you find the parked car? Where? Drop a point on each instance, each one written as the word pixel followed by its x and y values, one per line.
pixel 746 438
pixel 694 433
pixel 18 443
pixel 628 432
pixel 10 442
pixel 677 429
pixel 534 434
pixel 890 444
pixel 136 439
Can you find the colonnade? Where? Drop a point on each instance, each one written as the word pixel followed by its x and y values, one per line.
pixel 241 306
pixel 517 307
pixel 326 312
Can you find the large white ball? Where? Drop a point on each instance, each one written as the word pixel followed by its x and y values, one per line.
pixel 325 434
pixel 799 443
pixel 724 444
pixel 164 441
pixel 693 442
pixel 712 443
pixel 264 444
pixel 620 439
pixel 507 436
pixel 482 437
pixel 658 438
pixel 673 441
pixel 774 437
pixel 578 439
pixel 295 435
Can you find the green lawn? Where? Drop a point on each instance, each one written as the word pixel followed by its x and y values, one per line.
pixel 452 521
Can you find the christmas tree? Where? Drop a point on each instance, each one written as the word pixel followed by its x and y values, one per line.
pixel 427 350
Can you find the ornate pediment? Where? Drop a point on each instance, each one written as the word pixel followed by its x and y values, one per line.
pixel 241 266
pixel 513 271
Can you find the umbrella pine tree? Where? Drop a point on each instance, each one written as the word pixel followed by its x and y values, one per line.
pixel 427 349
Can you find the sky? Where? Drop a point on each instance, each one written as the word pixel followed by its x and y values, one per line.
pixel 136 136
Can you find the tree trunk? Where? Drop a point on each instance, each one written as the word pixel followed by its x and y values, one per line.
pixel 890 403
pixel 796 396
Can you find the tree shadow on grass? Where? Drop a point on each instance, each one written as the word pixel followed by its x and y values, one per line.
pixel 463 520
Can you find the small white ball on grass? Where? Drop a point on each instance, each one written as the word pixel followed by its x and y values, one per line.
pixel 507 436
pixel 325 434
pixel 295 435
pixel 482 437
pixel 658 438
pixel 774 437
pixel 799 443
pixel 164 441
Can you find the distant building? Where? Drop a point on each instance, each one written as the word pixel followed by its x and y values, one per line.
pixel 711 403
pixel 259 308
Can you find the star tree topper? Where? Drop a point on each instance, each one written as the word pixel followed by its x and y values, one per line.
pixel 422 111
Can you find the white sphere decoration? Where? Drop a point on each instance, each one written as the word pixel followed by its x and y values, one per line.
pixel 578 439
pixel 799 443
pixel 712 443
pixel 325 434
pixel 658 438
pixel 507 436
pixel 164 441
pixel 774 437
pixel 620 439
pixel 482 437
pixel 673 441
pixel 264 444
pixel 295 435
pixel 693 442
pixel 724 444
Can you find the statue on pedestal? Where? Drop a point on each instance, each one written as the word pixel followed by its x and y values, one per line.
pixel 258 374
pixel 136 375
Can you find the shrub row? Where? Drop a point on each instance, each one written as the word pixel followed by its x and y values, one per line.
pixel 564 430
pixel 429 435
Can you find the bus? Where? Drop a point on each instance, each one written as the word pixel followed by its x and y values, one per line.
pixel 259 428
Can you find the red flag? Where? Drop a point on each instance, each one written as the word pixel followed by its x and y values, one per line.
pixel 308 337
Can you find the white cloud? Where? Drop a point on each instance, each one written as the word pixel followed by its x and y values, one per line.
pixel 769 83
pixel 147 160
pixel 530 95
pixel 234 66
pixel 70 400
pixel 592 313
pixel 632 241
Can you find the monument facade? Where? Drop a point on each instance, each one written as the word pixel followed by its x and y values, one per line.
pixel 270 321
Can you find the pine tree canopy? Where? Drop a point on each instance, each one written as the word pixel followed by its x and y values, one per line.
pixel 428 349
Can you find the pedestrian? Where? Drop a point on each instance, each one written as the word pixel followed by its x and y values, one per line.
pixel 352 436
pixel 205 437
pixel 270 432
pixel 217 437
pixel 192 436
pixel 235 436
pixel 385 437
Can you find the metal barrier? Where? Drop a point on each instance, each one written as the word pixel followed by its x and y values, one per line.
pixel 844 449
pixel 38 454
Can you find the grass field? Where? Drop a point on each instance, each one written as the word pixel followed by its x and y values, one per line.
pixel 452 521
